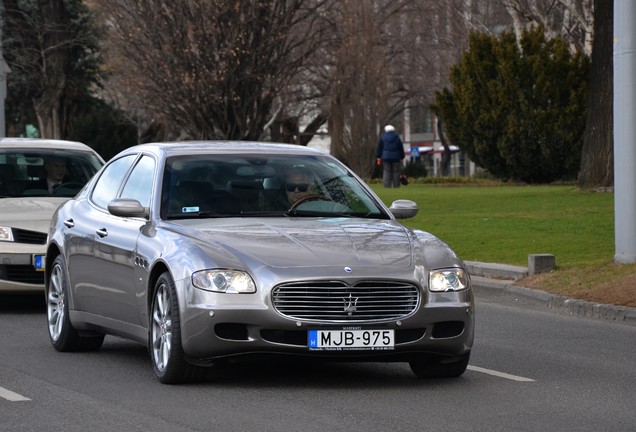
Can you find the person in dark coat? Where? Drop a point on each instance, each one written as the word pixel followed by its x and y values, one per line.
pixel 390 153
pixel 53 176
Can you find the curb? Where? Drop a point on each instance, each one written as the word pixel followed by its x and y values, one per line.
pixel 557 303
pixel 496 271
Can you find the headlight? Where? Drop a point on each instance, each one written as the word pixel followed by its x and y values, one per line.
pixel 6 234
pixel 447 280
pixel 224 281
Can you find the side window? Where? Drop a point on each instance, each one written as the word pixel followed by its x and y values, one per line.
pixel 108 183
pixel 139 184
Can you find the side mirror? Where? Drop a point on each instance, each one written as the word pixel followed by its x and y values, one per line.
pixel 126 207
pixel 403 209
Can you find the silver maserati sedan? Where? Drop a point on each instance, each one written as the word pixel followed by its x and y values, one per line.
pixel 210 250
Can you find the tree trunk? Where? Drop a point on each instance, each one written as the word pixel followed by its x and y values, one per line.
pixel 597 165
pixel 50 115
pixel 446 155
pixel 50 104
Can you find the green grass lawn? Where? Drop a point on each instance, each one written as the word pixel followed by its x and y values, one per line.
pixel 504 224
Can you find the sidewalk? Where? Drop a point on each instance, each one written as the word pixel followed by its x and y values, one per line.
pixel 501 279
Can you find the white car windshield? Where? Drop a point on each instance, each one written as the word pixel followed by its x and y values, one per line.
pixel 40 173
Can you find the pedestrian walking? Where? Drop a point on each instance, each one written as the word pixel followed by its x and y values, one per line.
pixel 390 153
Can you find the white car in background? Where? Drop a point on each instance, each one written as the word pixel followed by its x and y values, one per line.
pixel 27 206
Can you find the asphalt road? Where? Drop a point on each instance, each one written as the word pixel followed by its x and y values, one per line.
pixel 531 370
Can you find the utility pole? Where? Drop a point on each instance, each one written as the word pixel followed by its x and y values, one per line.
pixel 625 131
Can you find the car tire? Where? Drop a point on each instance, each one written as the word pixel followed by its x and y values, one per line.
pixel 164 336
pixel 440 367
pixel 62 334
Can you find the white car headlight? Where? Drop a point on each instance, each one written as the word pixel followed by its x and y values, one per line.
pixel 442 280
pixel 6 233
pixel 224 281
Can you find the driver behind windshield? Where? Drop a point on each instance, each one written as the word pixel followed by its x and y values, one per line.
pixel 55 167
pixel 298 185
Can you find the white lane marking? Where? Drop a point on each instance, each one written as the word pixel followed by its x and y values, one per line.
pixel 11 396
pixel 499 374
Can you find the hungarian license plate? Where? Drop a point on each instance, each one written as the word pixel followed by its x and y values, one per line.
pixel 39 262
pixel 336 340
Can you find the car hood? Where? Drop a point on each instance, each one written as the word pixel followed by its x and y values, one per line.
pixel 33 214
pixel 315 242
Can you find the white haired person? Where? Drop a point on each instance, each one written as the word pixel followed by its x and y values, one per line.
pixel 390 153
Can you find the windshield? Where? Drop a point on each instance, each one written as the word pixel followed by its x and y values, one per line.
pixel 263 186
pixel 40 173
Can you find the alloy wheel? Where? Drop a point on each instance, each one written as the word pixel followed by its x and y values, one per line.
pixel 161 328
pixel 55 302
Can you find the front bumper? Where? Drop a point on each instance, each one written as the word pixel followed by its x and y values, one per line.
pixel 442 325
pixel 18 272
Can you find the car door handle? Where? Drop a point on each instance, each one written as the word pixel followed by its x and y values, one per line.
pixel 69 223
pixel 102 232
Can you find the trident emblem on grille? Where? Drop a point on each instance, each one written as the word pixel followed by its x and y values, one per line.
pixel 350 304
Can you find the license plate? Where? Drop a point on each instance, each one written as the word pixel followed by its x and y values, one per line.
pixel 351 339
pixel 39 262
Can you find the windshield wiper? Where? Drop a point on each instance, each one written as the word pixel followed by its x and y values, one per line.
pixel 269 213
pixel 315 213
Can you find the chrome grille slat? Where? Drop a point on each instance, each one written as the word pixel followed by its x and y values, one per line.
pixel 338 301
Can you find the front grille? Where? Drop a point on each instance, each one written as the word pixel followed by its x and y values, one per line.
pixel 22 274
pixel 30 237
pixel 338 301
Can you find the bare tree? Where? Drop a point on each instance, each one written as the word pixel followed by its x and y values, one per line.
pixel 51 48
pixel 389 56
pixel 378 57
pixel 369 71
pixel 302 108
pixel 442 30
pixel 572 19
pixel 213 69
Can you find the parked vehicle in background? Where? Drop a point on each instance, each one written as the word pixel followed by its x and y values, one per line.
pixel 209 250
pixel 27 202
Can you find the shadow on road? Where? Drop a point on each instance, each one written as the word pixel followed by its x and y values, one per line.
pixel 22 303
pixel 267 371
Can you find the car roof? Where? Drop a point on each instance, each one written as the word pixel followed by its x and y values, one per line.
pixel 43 143
pixel 175 148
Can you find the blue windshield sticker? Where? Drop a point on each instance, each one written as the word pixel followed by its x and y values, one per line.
pixel 190 210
